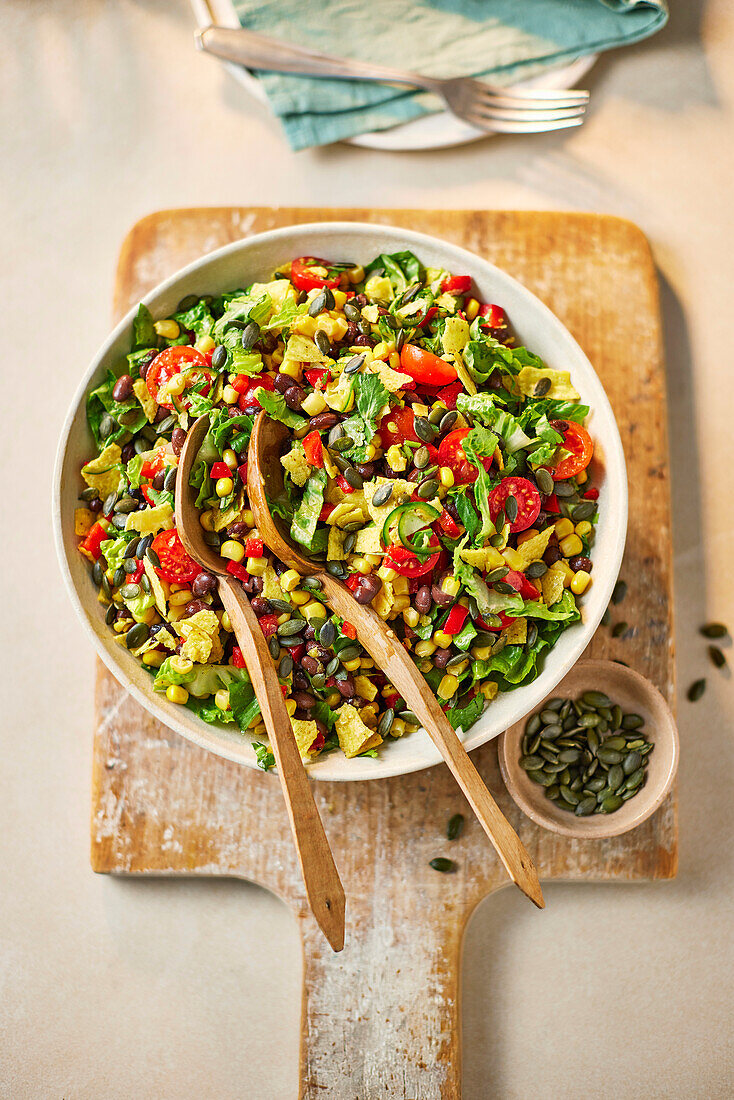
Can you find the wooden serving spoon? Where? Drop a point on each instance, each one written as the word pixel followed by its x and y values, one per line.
pixel 323 885
pixel 265 479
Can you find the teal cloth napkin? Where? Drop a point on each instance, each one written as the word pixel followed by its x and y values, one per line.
pixel 505 39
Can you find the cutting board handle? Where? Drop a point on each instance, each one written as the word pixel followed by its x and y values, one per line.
pixel 381 1019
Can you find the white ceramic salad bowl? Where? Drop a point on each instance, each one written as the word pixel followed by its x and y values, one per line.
pixel 244 262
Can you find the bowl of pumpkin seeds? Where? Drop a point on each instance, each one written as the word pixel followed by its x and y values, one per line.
pixel 597 757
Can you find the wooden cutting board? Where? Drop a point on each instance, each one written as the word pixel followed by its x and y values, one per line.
pixel 382 1018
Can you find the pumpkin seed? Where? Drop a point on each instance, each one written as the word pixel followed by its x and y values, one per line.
pixel 552 731
pixel 292 627
pixel 317 304
pixel 554 704
pixel 137 635
pixel 598 783
pixel 383 494
pixel 611 803
pixel 349 653
pixel 424 429
pixel 609 756
pixel 544 482
pixel 130 591
pixel 448 421
pixel 342 443
pixel 532 636
pixel 605 619
pixel 553 792
pixel 327 634
pixel 635 779
pixel 631 763
pixel 504 588
pixel 322 342
pixel 440 863
pixel 455 827
pixel 615 777
pixel 586 806
pixel 352 312
pixel 619 592
pixel 588 721
pixel 569 756
pixel 318 681
pixel 337 569
pixel 714 630
pixel 312 583
pixel 717 657
pixel 497 574
pixel 106 426
pixel 354 364
pixel 428 488
pixel 274 647
pixel 421 458
pixel 219 358
pixel 531 763
pixel 619 628
pixel 496 540
pixel 511 508
pixel 585 510
pixel 353 478
pixel 110 615
pixel 501 519
pixel 563 489
pixel 596 699
pixel 153 558
pixel 130 565
pixel 541 777
pixel 542 387
pixel 568 795
pixel 536 569
pixel 385 722
pixel 400 340
pixel 696 690
pixel 533 724
pixel 286 666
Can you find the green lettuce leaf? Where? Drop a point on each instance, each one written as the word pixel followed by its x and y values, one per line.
pixel 401 268
pixel 481 443
pixel 144 333
pixel 276 408
pixel 465 717
pixel 303 526
pixel 242 702
pixel 198 318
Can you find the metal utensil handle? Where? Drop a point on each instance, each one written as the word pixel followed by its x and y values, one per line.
pixel 256 51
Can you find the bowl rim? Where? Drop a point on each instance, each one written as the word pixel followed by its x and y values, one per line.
pixel 199 732
pixel 579 827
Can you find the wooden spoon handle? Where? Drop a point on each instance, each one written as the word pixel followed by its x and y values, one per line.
pixel 391 658
pixel 321 878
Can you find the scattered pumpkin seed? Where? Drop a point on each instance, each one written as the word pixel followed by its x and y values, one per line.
pixel 440 863
pixel 619 628
pixel 455 827
pixel 714 630
pixel 619 592
pixel 696 690
pixel 717 656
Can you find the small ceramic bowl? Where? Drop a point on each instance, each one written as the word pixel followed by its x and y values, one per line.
pixel 636 695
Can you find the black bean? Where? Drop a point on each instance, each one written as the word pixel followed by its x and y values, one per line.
pixel 203 584
pixel 440 657
pixel 323 420
pixel 580 562
pixel 293 398
pixel 261 606
pixel 345 688
pixel 367 588
pixel 123 388
pixel 304 699
pixel 282 382
pixel 177 440
pixel 423 599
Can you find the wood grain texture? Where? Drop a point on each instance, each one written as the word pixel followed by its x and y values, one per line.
pixel 382 1018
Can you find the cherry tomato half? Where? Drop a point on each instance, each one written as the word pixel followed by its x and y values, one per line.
pixel 577 440
pixel 527 497
pixel 522 584
pixel 176 566
pixel 456 284
pixel 171 362
pixel 305 278
pixel 397 426
pixel 451 454
pixel 247 400
pixel 424 366
pixel 407 564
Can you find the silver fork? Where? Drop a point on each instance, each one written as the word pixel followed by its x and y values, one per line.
pixel 484 106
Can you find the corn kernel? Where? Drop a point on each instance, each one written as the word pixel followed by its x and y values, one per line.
pixel 182 665
pixel 256 566
pixel 448 686
pixel 233 550
pixel 442 639
pixel 373 559
pixel 355 274
pixel 458 669
pixel 121 626
pixel 314 403
pixel 563 527
pixel 471 309
pixel 230 395
pixel 206 519
pixel 292 369
pixel 366 662
pixel 289 580
pixel 154 658
pixel 394 360
pixel 488 690
pixel 248 517
pixel 564 568
pixel 451 586
pixel 400 604
pixel 176 385
pixel 291 707
pixel 283 618
pixel 333 698
pixel 481 652
pixel 230 458
pixel 169 330
pixel 397 729
pixel 370 452
pixel 259 732
pixel 513 559
pixel 362 565
pixel 580 582
pixel 571 545
pixel 204 344
pixel 388 574
pixel 299 597
pixel 582 478
pixel 254 721
pixel 175 693
pixel 583 528
pixel 411 617
pixel 178 599
pixel 426 665
pixel 381 350
pixel 312 610
pixel 425 649
pixel 339 298
pixel 351 666
pixel 221 698
pixel 446 476
pixel 148 617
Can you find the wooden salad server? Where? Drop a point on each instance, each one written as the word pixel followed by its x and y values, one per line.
pixel 321 878
pixel 265 479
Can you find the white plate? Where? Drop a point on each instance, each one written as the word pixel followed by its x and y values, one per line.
pixel 437 131
pixel 247 261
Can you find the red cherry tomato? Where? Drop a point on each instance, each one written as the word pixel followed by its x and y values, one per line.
pixel 407 564
pixel 521 584
pixel 314 449
pixel 237 659
pixel 316 376
pixel 449 394
pixel 247 401
pixel 456 284
pixel 527 497
pixel 153 465
pixel 303 276
pixel 451 454
pixel 397 426
pixel 171 362
pixel 176 566
pixel 577 440
pixel 424 366
pixel 448 525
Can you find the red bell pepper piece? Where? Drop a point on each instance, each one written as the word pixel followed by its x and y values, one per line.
pixel 326 510
pixel 254 548
pixel 268 625
pixel 591 494
pixel 220 469
pixel 391 700
pixel 457 617
pixel 237 659
pixel 318 742
pixel 520 582
pixel 247 400
pixel 314 449
pixel 430 314
pixel 456 284
pixel 492 316
pixel 297 651
pixel 550 504
pixel 448 525
pixel 238 571
pixel 349 631
pixel 90 544
pixel 242 471
pixel 344 485
pixel 352 581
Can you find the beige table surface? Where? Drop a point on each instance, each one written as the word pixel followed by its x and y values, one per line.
pixel 124 989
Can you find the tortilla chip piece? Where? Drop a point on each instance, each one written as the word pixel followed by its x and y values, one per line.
pixel 392 380
pixel 365 688
pixel 384 600
pixel 151 520
pixel 346 512
pixel 150 405
pixel 156 587
pixel 552 586
pixel 534 548
pixel 493 689
pixel 396 459
pixel 516 633
pixel 197 647
pixel 271 585
pixel 354 736
pixel 304 350
pixel 305 734
pixel 103 472
pixel 222 518
pixel 296 464
pixel 83 521
pixel 485 558
pixel 335 549
pixel 368 541
pixel 560 383
pixel 402 490
pixel 201 634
